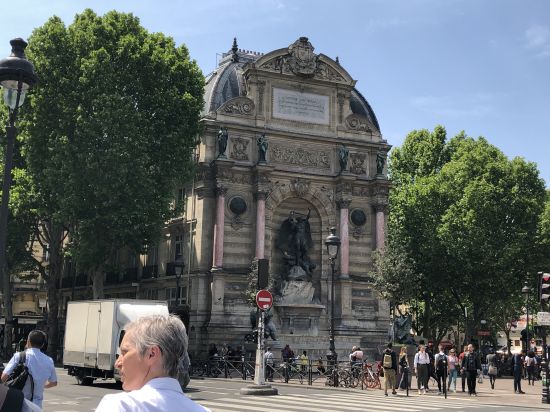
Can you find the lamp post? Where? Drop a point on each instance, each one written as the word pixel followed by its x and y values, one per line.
pixel 332 243
pixel 526 290
pixel 178 270
pixel 16 77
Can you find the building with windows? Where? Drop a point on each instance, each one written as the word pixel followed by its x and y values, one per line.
pixel 287 140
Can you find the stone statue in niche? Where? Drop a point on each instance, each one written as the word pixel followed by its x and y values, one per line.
pixel 270 330
pixel 294 241
pixel 343 154
pixel 223 136
pixel 380 161
pixel 262 148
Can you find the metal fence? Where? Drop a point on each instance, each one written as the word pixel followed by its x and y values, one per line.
pixel 345 374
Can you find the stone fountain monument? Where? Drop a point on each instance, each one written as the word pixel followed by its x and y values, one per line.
pixel 295 297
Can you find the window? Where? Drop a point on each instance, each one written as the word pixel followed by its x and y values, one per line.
pixel 171 296
pixel 178 247
pixel 181 195
pixel 152 255
pixel 151 294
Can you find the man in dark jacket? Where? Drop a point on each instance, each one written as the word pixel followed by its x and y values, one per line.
pixel 471 365
pixel 389 363
pixel 517 365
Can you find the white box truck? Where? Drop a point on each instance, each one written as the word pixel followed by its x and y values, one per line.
pixel 93 332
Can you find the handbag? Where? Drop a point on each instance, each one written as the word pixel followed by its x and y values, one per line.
pixel 493 370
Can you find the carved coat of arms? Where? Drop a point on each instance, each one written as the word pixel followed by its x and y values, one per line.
pixel 302 60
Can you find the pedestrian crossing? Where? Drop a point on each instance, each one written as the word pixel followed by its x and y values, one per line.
pixel 337 402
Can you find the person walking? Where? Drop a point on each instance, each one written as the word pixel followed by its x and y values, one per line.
pixel 530 365
pixel 269 362
pixel 471 364
pixel 462 372
pixel 440 363
pixel 492 370
pixel 452 367
pixel 403 361
pixel 517 365
pixel 389 363
pixel 304 362
pixel 421 362
pixel 40 365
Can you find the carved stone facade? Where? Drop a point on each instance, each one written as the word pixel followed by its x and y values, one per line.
pixel 307 106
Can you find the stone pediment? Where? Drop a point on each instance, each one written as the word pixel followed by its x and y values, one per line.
pixel 299 60
pixel 358 123
pixel 240 106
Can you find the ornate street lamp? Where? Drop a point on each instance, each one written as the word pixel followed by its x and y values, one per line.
pixel 332 243
pixel 526 290
pixel 178 270
pixel 16 77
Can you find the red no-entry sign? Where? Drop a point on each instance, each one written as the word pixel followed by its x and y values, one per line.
pixel 264 299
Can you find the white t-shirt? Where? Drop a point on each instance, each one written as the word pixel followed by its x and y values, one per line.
pixel 157 395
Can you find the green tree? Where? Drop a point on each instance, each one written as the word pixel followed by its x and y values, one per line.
pixel 108 138
pixel 466 217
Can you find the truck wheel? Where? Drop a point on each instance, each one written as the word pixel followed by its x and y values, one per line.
pixel 84 380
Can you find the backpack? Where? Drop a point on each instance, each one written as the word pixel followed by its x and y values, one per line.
pixel 10 399
pixel 387 362
pixel 440 365
pixel 20 374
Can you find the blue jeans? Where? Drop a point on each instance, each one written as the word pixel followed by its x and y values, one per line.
pixel 517 379
pixel 453 373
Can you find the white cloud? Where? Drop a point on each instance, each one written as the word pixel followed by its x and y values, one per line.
pixel 537 39
pixel 471 105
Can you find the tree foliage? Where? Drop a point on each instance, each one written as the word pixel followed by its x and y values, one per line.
pixel 465 219
pixel 107 137
pixel 113 123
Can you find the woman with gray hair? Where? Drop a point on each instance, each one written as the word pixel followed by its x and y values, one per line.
pixel 151 356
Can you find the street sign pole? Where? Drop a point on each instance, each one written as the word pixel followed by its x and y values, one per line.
pixel 259 370
pixel 264 300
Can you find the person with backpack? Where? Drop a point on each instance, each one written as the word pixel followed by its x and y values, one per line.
pixel 471 364
pixel 441 369
pixel 38 366
pixel 421 362
pixel 530 365
pixel 389 363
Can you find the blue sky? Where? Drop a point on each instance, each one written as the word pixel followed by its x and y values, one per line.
pixel 473 65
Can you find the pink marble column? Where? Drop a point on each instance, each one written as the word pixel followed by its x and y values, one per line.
pixel 344 238
pixel 218 227
pixel 380 226
pixel 260 225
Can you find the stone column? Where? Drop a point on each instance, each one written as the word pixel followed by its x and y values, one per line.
pixel 380 226
pixel 219 228
pixel 344 238
pixel 260 224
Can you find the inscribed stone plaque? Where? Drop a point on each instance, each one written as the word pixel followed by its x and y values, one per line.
pixel 304 107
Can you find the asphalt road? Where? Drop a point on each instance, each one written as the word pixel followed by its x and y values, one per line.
pixel 223 395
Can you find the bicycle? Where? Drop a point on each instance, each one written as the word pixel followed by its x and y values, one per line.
pixel 371 377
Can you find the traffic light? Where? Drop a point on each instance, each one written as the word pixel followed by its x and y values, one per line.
pixel 544 288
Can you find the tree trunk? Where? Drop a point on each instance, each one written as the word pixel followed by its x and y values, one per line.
pixel 427 319
pixel 97 283
pixel 55 237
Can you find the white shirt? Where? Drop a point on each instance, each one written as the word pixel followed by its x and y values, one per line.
pixel 157 395
pixel 41 368
pixel 421 359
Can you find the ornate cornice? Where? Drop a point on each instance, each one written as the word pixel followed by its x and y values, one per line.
pixel 242 106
